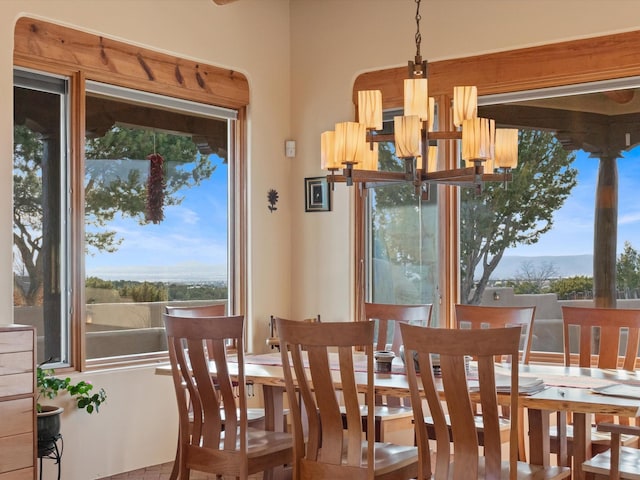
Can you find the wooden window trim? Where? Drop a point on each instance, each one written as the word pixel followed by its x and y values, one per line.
pixel 39 44
pixel 82 56
pixel 557 64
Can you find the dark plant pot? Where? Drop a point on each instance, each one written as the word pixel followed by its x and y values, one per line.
pixel 48 429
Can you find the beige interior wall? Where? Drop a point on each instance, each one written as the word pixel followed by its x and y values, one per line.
pixel 138 424
pixel 333 41
pixel 300 75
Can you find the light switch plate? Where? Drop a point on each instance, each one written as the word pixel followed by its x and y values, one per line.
pixel 290 148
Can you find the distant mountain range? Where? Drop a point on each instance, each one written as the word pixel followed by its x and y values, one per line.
pixel 511 267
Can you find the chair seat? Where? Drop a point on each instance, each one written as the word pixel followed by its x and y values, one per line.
pixel 265 442
pixel 255 417
pixel 527 471
pixel 600 441
pixel 504 423
pixel 629 463
pixel 389 458
pixel 384 413
pixel 277 446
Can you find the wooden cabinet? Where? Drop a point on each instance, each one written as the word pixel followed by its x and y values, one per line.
pixel 17 403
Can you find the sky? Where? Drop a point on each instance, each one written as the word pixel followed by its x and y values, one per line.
pixel 189 244
pixel 572 232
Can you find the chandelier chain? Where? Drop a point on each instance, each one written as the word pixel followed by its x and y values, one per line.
pixel 418 35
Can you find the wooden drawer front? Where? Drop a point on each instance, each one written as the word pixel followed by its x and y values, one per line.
pixel 19 341
pixel 17 417
pixel 19 362
pixel 22 474
pixel 18 384
pixel 16 452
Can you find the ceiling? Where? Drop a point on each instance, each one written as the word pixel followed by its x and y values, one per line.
pixel 603 123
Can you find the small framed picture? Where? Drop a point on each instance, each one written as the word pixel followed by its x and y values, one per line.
pixel 317 194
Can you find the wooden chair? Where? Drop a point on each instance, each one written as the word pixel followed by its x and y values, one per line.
pixel 619 461
pixel 599 332
pixel 393 413
pixel 480 317
pixel 466 462
pixel 255 416
pixel 322 449
pixel 214 435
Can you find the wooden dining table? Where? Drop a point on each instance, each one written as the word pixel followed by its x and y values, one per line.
pixel 567 389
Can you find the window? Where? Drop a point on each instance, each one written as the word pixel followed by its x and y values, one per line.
pixel 401 238
pixel 603 62
pixel 533 242
pixel 83 149
pixel 156 214
pixel 40 197
pixel 155 208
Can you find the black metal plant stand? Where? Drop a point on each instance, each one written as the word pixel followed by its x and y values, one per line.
pixel 50 449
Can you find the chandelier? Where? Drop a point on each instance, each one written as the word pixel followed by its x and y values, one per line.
pixel 352 148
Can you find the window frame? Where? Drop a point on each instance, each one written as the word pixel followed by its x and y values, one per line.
pixel 559 64
pixel 49 48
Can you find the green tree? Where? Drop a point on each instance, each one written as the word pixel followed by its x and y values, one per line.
pixel 503 216
pixel 525 287
pixel 111 188
pixel 628 271
pixel 148 292
pixel 578 286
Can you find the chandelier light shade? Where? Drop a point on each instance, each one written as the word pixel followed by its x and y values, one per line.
pixel 465 104
pixel 407 135
pixel 350 142
pixel 370 160
pixel 416 98
pixel 478 137
pixel 370 109
pixel 432 160
pixel 328 160
pixel 506 148
pixel 482 147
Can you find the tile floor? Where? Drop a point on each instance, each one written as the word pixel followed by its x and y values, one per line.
pixel 162 472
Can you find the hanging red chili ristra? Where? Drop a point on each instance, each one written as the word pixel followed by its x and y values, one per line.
pixel 155 189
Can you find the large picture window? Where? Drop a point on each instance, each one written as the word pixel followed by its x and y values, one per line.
pixel 125 179
pixel 536 240
pixel 155 204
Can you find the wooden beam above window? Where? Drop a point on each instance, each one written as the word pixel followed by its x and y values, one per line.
pixel 39 43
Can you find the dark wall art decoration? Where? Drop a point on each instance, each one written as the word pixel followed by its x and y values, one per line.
pixel 272 196
pixel 317 194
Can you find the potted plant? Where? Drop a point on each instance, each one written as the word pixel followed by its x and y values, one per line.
pixel 49 386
